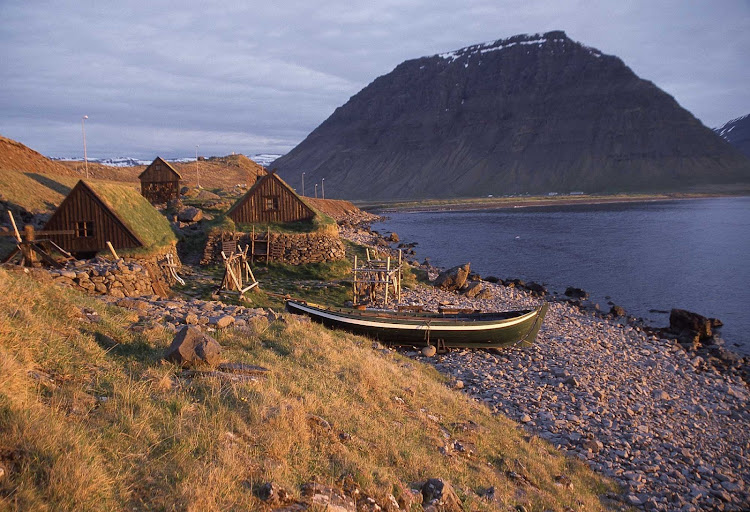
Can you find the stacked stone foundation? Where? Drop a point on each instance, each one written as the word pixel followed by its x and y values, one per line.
pixel 290 248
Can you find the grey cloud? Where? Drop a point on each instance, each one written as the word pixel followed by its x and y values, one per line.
pixel 159 77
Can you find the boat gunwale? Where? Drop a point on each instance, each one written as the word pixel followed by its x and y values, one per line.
pixel 417 321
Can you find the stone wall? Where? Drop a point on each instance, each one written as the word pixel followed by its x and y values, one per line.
pixel 121 278
pixel 291 248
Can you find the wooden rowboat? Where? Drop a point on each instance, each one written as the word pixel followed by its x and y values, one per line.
pixel 468 330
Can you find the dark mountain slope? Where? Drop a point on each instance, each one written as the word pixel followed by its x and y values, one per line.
pixel 529 114
pixel 737 133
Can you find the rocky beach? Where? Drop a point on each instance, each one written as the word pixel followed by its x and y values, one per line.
pixel 670 428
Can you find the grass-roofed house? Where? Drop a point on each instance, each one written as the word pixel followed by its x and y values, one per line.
pixel 278 225
pixel 160 182
pixel 95 213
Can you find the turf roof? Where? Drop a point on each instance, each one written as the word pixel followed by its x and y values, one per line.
pixel 134 210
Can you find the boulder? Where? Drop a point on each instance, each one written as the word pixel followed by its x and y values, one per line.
pixel 328 498
pixel 616 310
pixel 536 288
pixel 273 494
pixel 473 289
pixel 191 347
pixel 190 214
pixel 454 278
pixel 681 320
pixel 439 496
pixel 394 237
pixel 576 293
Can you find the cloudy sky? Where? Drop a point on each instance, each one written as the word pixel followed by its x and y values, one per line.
pixel 160 77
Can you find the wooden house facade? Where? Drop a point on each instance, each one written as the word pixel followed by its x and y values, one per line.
pixel 160 182
pixel 94 214
pixel 270 200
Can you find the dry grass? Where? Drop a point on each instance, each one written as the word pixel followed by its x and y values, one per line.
pixel 85 425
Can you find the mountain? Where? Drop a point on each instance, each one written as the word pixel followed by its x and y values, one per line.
pixel 737 133
pixel 528 114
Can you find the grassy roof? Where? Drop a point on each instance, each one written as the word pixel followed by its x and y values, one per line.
pixel 136 213
pixel 320 221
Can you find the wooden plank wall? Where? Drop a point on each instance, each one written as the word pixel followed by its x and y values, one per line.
pixel 160 191
pixel 253 207
pixel 158 172
pixel 80 206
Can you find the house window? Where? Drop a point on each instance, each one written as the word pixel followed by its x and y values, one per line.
pixel 85 229
pixel 272 203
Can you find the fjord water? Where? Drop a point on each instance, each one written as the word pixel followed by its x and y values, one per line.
pixel 692 254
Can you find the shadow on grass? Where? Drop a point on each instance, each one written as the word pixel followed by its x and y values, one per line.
pixel 138 349
pixel 49 183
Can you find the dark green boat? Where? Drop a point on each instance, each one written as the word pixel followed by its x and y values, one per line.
pixel 467 330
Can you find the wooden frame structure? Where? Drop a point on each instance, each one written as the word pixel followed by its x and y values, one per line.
pixel 32 251
pixel 237 273
pixel 373 281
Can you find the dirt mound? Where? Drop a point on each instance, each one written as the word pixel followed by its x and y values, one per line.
pixel 341 211
pixel 223 172
pixel 14 156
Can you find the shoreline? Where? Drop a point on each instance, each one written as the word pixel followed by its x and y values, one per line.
pixel 670 428
pixel 476 204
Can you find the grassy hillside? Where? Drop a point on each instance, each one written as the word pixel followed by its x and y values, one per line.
pixel 91 419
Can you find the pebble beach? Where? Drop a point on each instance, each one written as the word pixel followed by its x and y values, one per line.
pixel 672 430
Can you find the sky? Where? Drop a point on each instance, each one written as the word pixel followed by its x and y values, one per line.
pixel 162 77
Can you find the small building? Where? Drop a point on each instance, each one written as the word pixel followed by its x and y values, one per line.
pixel 270 200
pixel 93 214
pixel 160 182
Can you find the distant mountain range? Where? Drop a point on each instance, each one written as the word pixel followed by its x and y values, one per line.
pixel 737 133
pixel 528 114
pixel 263 159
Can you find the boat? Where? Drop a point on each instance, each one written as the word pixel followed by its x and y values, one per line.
pixel 444 329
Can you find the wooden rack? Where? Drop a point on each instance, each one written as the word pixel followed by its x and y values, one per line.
pixel 376 279
pixel 237 273
pixel 32 251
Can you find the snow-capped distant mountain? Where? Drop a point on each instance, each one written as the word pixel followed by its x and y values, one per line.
pixel 112 162
pixel 737 133
pixel 263 159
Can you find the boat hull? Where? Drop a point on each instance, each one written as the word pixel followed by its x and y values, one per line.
pixel 469 331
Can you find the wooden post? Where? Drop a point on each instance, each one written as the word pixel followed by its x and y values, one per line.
pixel 387 278
pixel 354 281
pixel 15 228
pixel 399 275
pixel 112 250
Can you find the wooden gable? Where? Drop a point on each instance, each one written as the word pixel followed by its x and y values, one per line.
pixel 92 221
pixel 159 171
pixel 270 200
pixel 160 182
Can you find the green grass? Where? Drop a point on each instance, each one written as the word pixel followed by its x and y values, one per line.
pixel 138 214
pixel 91 419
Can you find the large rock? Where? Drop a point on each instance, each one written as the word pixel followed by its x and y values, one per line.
pixel 576 293
pixel 191 347
pixel 439 496
pixel 474 289
pixel 454 278
pixel 190 214
pixel 681 320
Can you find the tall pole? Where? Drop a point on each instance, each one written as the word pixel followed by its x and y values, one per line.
pixel 303 184
pixel 316 191
pixel 323 187
pixel 197 170
pixel 85 157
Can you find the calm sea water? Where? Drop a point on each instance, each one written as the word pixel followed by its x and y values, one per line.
pixel 691 254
